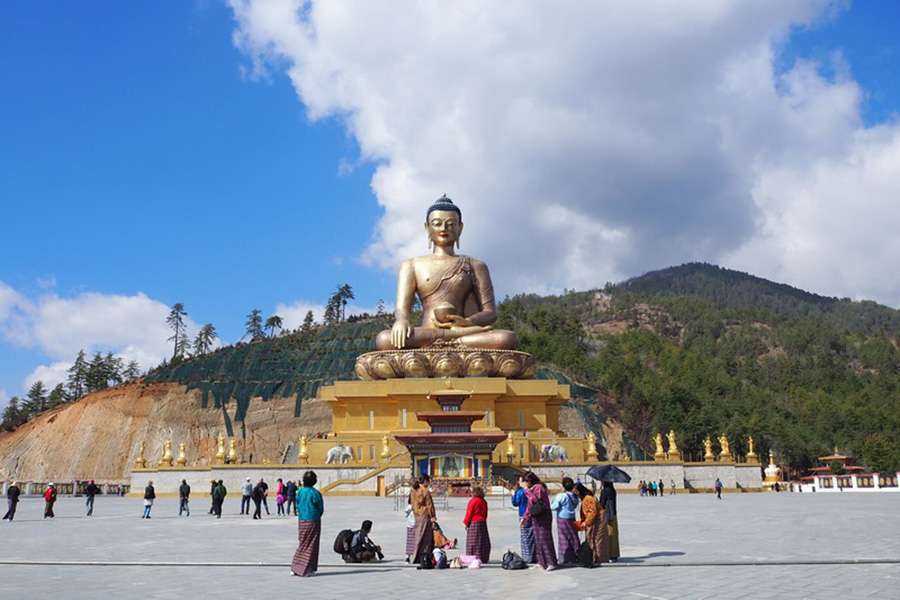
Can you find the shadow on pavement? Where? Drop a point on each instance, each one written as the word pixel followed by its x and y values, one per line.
pixel 639 559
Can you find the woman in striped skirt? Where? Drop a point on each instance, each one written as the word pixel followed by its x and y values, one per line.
pixel 526 535
pixel 410 530
pixel 541 519
pixel 478 542
pixel 310 507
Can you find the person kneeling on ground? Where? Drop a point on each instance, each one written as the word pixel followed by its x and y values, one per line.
pixel 363 549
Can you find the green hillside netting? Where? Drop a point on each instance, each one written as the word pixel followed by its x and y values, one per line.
pixel 277 367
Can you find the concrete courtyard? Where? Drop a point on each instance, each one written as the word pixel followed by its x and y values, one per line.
pixel 687 546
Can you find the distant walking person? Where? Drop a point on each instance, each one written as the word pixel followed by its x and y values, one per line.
pixel 12 500
pixel 526 533
pixel 662 488
pixel 219 493
pixel 257 495
pixel 49 501
pixel 672 487
pixel 608 506
pixel 290 496
pixel 265 495
pixel 184 496
pixel 90 491
pixel 212 496
pixel 410 530
pixel 593 523
pixel 279 497
pixel 310 507
pixel 564 505
pixel 718 488
pixel 478 542
pixel 149 497
pixel 246 496
pixel 541 519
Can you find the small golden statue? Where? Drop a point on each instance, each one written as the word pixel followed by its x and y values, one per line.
pixel 303 449
pixel 140 462
pixel 674 454
pixel 510 447
pixel 166 460
pixel 385 447
pixel 751 453
pixel 220 450
pixel 708 455
pixel 232 458
pixel 182 458
pixel 660 454
pixel 725 453
pixel 456 292
pixel 591 446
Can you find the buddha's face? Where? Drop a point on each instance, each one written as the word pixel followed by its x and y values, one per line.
pixel 444 227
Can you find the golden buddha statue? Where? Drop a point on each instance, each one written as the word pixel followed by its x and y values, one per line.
pixel 140 462
pixel 725 454
pixel 457 296
pixel 182 456
pixel 708 455
pixel 166 460
pixel 751 452
pixel 660 453
pixel 220 450
pixel 674 454
pixel 232 457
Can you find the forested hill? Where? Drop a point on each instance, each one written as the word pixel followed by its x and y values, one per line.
pixel 700 350
pixel 726 288
pixel 695 348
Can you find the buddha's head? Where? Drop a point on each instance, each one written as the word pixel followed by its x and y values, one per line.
pixel 443 223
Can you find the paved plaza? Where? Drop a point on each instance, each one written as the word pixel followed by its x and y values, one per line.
pixel 689 546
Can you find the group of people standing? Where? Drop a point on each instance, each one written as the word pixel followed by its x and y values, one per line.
pixel 652 488
pixel 577 511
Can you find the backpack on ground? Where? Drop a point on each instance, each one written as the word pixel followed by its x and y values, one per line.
pixel 440 559
pixel 342 541
pixel 513 562
pixel 584 556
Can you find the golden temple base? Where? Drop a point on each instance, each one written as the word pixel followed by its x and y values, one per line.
pixel 445 361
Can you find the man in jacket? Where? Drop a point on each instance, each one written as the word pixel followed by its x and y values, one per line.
pixel 149 497
pixel 184 495
pixel 219 493
pixel 290 496
pixel 257 495
pixel 90 491
pixel 12 500
pixel 247 494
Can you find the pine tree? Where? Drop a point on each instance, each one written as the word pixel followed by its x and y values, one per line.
pixel 309 323
pixel 112 369
pixel 332 311
pixel 254 325
pixel 12 415
pixel 175 321
pixel 345 293
pixel 36 400
pixel 97 373
pixel 132 371
pixel 272 323
pixel 76 384
pixel 57 396
pixel 205 339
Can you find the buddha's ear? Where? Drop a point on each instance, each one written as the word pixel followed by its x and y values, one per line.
pixel 460 229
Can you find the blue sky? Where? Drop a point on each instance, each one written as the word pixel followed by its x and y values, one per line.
pixel 137 156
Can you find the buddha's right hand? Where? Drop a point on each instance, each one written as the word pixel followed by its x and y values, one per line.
pixel 400 332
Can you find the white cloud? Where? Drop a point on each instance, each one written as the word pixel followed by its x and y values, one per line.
pixel 292 315
pixel 130 326
pixel 585 142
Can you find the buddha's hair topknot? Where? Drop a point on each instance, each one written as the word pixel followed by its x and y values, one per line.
pixel 443 203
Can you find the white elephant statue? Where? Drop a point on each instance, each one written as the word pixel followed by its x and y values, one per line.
pixel 553 453
pixel 340 453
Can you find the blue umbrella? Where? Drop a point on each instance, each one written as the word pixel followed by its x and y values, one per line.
pixel 609 473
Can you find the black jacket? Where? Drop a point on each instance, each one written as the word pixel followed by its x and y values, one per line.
pixel 149 493
pixel 92 490
pixel 184 490
pixel 12 492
